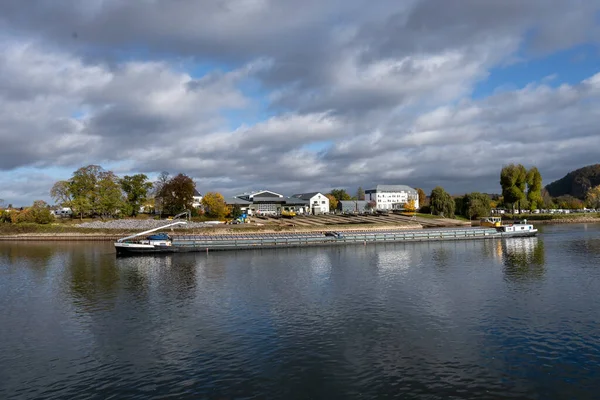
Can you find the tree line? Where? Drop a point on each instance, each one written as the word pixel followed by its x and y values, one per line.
pixel 93 191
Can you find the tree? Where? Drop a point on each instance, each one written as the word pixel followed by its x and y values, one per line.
pixel 340 194
pixel 236 211
pixel 214 205
pixel 410 206
pixel 592 197
pixel 475 205
pixel 41 212
pixel 61 193
pixel 422 197
pixel 136 188
pixel 569 202
pixel 333 202
pixel 513 179
pixel 161 181
pixel 360 193
pixel 109 197
pixel 534 189
pixel 547 200
pixel 441 203
pixel 177 194
pixel 82 188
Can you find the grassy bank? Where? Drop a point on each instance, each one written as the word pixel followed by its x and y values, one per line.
pixel 431 216
pixel 71 232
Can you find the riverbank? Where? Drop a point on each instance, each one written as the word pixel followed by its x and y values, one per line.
pixel 87 234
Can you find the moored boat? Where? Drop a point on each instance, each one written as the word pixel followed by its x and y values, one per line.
pixel 145 242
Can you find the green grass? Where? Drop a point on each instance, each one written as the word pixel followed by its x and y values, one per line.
pixel 431 216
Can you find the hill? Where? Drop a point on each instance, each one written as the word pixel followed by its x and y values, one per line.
pixel 576 183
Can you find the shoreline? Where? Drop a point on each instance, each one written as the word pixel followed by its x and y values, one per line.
pixel 91 236
pixel 105 236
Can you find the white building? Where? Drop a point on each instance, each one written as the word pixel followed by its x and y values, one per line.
pixel 391 197
pixel 196 199
pixel 318 203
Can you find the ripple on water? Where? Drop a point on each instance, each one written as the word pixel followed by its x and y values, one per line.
pixel 479 320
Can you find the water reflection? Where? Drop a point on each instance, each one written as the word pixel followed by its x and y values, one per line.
pixel 524 259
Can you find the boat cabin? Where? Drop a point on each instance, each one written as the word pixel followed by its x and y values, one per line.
pixel 158 239
pixel 516 228
pixel 493 222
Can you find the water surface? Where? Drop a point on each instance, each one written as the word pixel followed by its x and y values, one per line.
pixel 497 319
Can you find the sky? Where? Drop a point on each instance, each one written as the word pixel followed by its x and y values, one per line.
pixel 297 96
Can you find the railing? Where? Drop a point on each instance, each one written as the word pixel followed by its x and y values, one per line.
pixel 282 240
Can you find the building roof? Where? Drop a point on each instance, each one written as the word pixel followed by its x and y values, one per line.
pixel 305 196
pixel 267 199
pixel 196 193
pixel 296 201
pixel 235 200
pixel 391 188
pixel 253 194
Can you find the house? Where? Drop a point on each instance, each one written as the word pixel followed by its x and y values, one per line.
pixel 266 202
pixel 263 202
pixel 318 203
pixel 353 206
pixel 391 197
pixel 196 199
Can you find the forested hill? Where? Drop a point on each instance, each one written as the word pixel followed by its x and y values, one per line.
pixel 576 183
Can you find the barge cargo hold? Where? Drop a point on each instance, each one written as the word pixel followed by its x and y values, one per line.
pixel 163 243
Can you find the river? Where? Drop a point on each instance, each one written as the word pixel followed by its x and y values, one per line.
pixel 518 318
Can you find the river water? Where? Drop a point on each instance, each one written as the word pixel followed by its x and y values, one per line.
pixel 518 318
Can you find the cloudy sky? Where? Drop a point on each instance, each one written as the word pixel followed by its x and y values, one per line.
pixel 297 96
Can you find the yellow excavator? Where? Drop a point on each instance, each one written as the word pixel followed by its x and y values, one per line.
pixel 288 213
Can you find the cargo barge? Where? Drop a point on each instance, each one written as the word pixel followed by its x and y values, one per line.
pixel 148 242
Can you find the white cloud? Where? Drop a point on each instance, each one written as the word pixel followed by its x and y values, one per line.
pixel 385 87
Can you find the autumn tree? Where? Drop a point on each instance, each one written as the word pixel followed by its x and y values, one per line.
pixel 534 189
pixel 422 197
pixel 136 188
pixel 340 194
pixel 441 203
pixel 177 194
pixel 333 202
pixel 410 206
pixel 513 179
pixel 214 205
pixel 569 202
pixel 592 197
pixel 41 212
pixel 547 200
pixel 360 193
pixel 61 193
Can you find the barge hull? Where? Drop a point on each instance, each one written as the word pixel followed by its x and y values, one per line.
pixel 186 246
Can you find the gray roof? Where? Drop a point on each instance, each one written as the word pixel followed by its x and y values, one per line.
pixel 268 199
pixel 305 196
pixel 391 188
pixel 235 200
pixel 196 193
pixel 255 192
pixel 296 201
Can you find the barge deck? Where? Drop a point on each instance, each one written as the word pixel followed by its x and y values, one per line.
pixel 163 243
